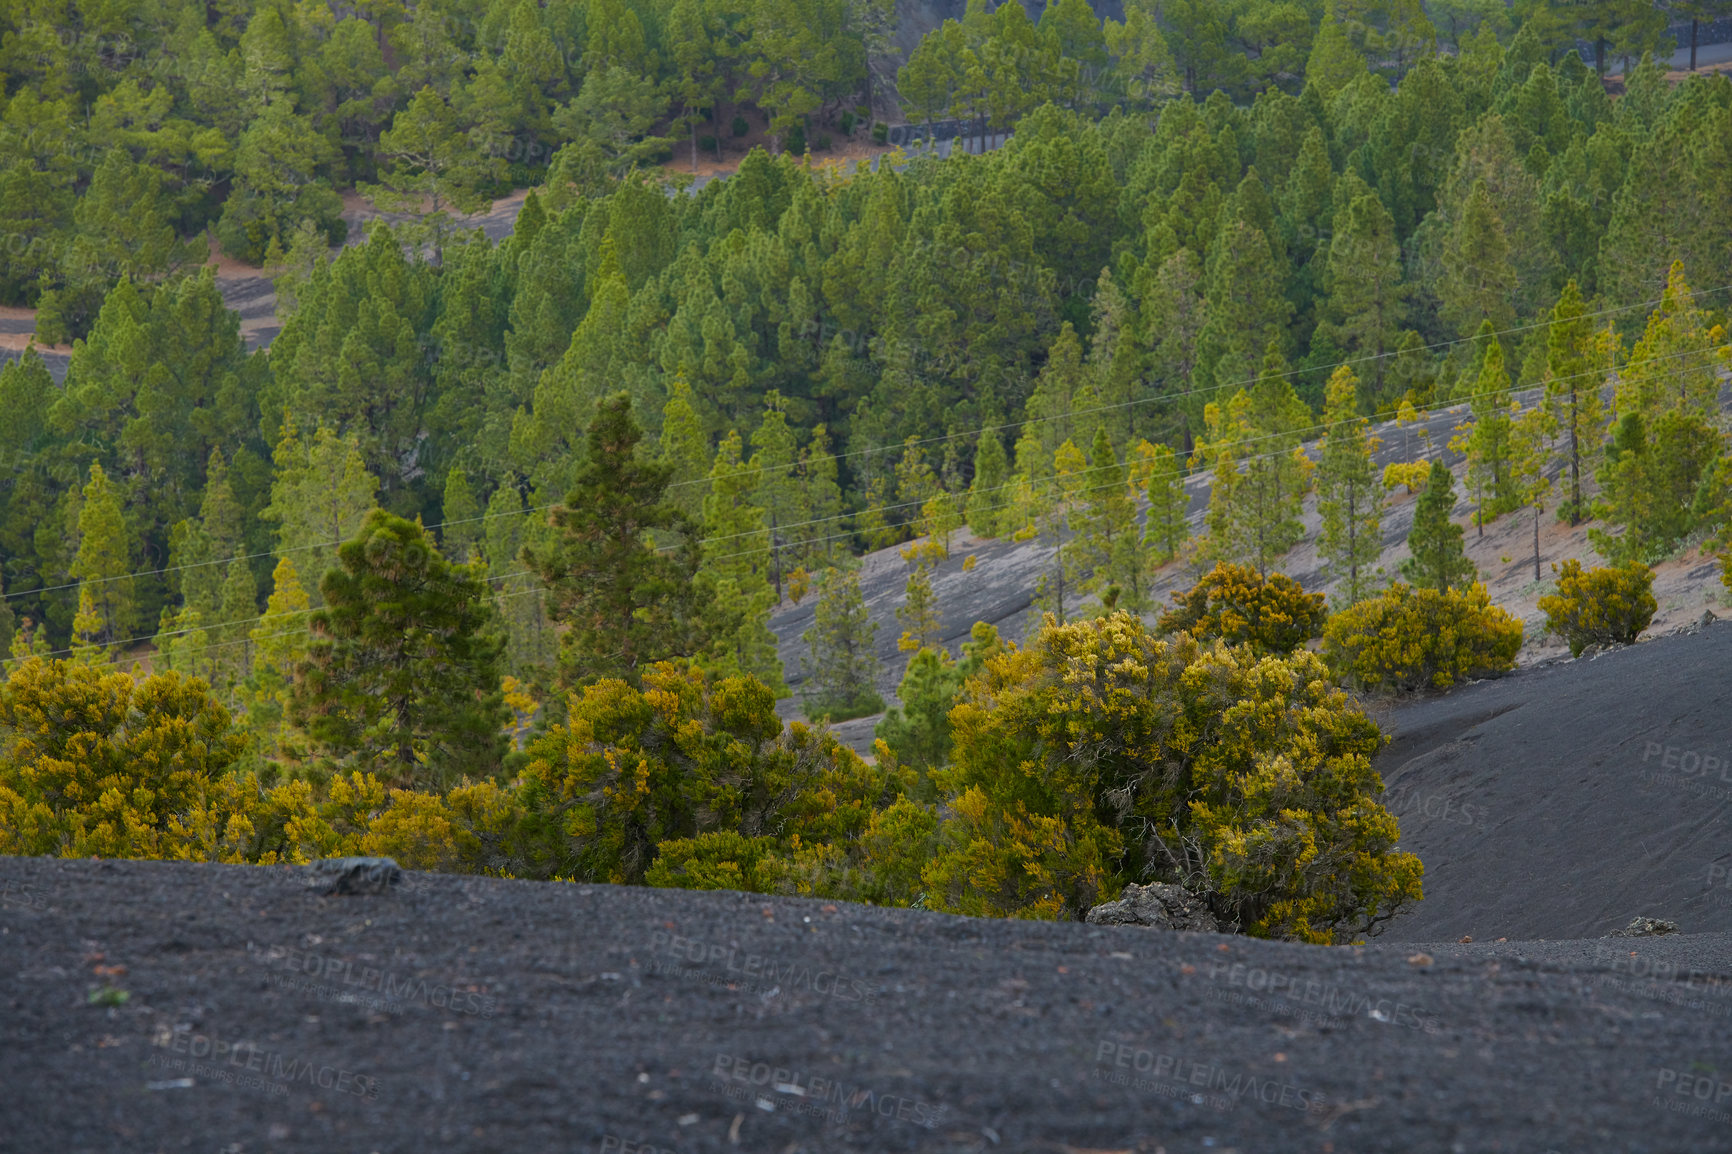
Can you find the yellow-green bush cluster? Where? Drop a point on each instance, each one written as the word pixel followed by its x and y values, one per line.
pixel 1236 604
pixel 1600 606
pixel 1411 638
pixel 1099 754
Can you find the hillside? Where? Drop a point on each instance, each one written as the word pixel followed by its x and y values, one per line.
pixel 599 1018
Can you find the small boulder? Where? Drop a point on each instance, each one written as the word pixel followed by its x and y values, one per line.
pixel 1159 906
pixel 1645 928
pixel 356 875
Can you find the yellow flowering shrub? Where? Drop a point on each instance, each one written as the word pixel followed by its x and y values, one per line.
pixel 1409 475
pixel 1099 754
pixel 95 763
pixel 634 770
pixel 1408 639
pixel 1241 607
pixel 1600 606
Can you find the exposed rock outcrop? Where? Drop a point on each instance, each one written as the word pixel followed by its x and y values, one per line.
pixel 1159 906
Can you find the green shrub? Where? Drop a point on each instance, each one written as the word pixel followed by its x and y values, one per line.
pixel 1100 753
pixel 739 126
pixel 880 133
pixel 1411 639
pixel 1237 605
pixel 1600 606
pixel 707 143
pixel 848 124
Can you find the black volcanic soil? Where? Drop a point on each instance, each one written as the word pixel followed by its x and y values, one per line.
pixel 537 1017
pixel 1571 796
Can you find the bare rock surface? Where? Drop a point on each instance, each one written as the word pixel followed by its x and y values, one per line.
pixel 1159 906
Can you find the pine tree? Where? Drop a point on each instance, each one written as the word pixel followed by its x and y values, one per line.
pixel 842 674
pixel 239 610
pixel 1261 473
pixel 519 598
pixel 461 527
pixel 684 449
pixel 1051 409
pixel 1478 279
pixel 1246 309
pixel 738 556
pixel 1438 561
pixel 989 492
pixel 1110 546
pixel 1534 442
pixel 821 538
pixel 1116 361
pixel 1573 381
pixel 1160 474
pixel 1366 295
pixel 777 490
pixel 103 564
pixel 625 604
pixel 1056 504
pixel 320 494
pixel 402 676
pixel 919 610
pixel 279 639
pixel 1347 491
pixel 1487 444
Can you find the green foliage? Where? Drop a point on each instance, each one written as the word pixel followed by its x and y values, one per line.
pixel 843 668
pixel 402 674
pixel 1233 603
pixel 1438 561
pixel 684 758
pixel 96 763
pixel 1098 753
pixel 1409 639
pixel 1599 606
pixel 1351 537
pixel 625 604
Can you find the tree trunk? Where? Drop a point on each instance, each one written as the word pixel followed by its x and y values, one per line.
pixel 1693 24
pixel 1600 56
pixel 1536 542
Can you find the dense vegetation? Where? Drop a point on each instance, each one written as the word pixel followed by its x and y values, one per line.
pixel 487 513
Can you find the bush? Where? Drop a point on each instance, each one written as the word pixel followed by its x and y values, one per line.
pixel 880 133
pixel 739 127
pixel 683 757
pixel 1237 605
pixel 795 143
pixel 824 142
pixel 1600 606
pixel 1100 753
pixel 1410 639
pixel 848 123
pixel 708 143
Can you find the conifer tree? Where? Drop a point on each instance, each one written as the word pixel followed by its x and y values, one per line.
pixel 1347 491
pixel 1056 502
pixel 1116 361
pixel 1367 298
pixel 1490 475
pixel 684 448
pixel 461 527
pixel 402 675
pixel 518 595
pixel 738 556
pixel 1051 409
pixel 1160 474
pixel 989 492
pixel 625 604
pixel 1478 279
pixel 919 610
pixel 233 632
pixel 1261 473
pixel 1246 309
pixel 821 498
pixel 1572 399
pixel 320 494
pixel 1438 561
pixel 843 670
pixel 777 489
pixel 1109 545
pixel 279 640
pixel 1534 440
pixel 103 563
